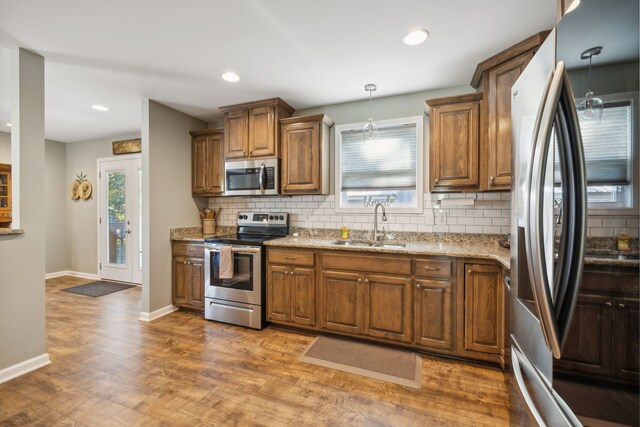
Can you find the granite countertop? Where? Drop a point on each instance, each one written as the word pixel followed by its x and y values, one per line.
pixel 460 250
pixel 595 257
pixel 10 231
pixel 194 234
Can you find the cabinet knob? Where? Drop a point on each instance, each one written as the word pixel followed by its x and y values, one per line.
pixel 491 179
pixel 621 306
pixel 286 272
pixel 244 151
pixel 469 271
pixel 608 304
pixel 359 280
pixel 418 286
pixel 437 180
pixel 251 151
pixel 366 280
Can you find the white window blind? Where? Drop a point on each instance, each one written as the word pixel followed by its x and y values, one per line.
pixel 608 145
pixel 387 163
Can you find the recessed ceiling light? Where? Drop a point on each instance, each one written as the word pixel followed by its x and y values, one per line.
pixel 415 37
pixel 230 77
pixel 99 107
pixel 9 124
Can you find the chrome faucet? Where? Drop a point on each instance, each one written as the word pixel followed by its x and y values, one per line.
pixel 378 236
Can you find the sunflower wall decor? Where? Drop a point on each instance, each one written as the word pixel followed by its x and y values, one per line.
pixel 81 188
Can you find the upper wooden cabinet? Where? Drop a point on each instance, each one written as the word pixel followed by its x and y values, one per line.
pixel 454 129
pixel 207 167
pixel 496 76
pixel 251 129
pixel 5 195
pixel 305 154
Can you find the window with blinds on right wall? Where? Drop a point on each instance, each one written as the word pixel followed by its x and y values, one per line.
pixel 611 156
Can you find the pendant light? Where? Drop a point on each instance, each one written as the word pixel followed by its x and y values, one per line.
pixel 591 106
pixel 370 130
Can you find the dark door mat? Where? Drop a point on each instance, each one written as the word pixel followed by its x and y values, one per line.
pixel 98 289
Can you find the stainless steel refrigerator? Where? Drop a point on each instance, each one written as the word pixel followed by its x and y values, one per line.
pixel 549 209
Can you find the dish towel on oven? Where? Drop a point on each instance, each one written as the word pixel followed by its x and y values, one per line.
pixel 226 262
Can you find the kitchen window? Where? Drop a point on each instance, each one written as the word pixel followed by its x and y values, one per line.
pixel 386 170
pixel 611 155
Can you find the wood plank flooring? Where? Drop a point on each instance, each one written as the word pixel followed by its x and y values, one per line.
pixel 110 369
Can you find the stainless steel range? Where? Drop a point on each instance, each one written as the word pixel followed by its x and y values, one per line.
pixel 238 297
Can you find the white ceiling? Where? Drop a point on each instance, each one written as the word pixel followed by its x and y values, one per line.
pixel 310 53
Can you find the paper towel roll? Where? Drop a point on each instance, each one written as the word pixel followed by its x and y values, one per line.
pixel 448 203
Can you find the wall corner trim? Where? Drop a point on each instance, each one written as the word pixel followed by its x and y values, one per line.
pixel 148 317
pixel 22 368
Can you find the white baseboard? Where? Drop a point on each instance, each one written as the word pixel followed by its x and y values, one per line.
pixel 22 368
pixel 71 273
pixel 148 317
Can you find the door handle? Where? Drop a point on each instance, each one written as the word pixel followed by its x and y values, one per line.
pixel 261 179
pixel 534 232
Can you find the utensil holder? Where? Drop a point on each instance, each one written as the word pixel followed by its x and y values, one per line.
pixel 209 226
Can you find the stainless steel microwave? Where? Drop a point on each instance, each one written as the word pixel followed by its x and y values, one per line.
pixel 252 177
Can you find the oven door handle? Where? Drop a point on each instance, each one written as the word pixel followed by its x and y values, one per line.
pixel 236 250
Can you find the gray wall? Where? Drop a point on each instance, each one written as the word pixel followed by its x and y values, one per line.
pixel 390 107
pixel 82 214
pixel 5 147
pixel 167 202
pixel 55 200
pixel 605 79
pixel 22 257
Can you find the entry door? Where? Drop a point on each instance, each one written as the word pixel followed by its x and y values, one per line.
pixel 119 219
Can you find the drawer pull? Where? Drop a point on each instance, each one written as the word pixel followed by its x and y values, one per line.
pixel 292 258
pixel 608 304
pixel 620 306
pixel 433 268
pixel 286 272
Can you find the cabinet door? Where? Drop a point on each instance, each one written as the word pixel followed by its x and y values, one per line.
pixel 195 268
pixel 180 275
pixel 278 296
pixel 303 290
pixel 387 307
pixel 199 164
pixel 434 314
pixel 341 301
pixel 215 164
pixel 236 125
pixel 498 83
pixel 588 346
pixel 482 293
pixel 454 146
pixel 262 132
pixel 301 158
pixel 625 339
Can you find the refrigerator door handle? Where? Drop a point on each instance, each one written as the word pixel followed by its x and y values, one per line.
pixel 534 231
pixel 517 373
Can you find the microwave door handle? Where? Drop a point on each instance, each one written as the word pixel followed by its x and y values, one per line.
pixel 261 178
pixel 534 233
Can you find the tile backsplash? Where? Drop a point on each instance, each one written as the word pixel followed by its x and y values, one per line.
pixel 490 214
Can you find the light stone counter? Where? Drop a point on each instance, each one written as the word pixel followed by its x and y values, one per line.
pixel 458 250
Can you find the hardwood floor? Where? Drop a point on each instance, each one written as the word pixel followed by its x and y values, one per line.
pixel 110 369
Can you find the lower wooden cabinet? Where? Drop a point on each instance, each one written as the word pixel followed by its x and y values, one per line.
pixel 624 339
pixel 434 314
pixel 188 282
pixel 291 295
pixel 388 307
pixel 482 308
pixel 341 302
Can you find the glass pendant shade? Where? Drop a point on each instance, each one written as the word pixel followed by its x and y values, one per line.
pixel 591 107
pixel 370 129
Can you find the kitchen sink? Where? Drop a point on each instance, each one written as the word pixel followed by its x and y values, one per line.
pixel 369 244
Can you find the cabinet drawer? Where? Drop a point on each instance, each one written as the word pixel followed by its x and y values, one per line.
pixel 188 249
pixel 367 264
pixel 434 267
pixel 291 257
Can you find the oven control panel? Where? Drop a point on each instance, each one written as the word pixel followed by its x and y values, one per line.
pixel 262 218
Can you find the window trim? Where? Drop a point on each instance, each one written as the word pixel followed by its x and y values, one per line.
pixel 635 167
pixel 420 138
